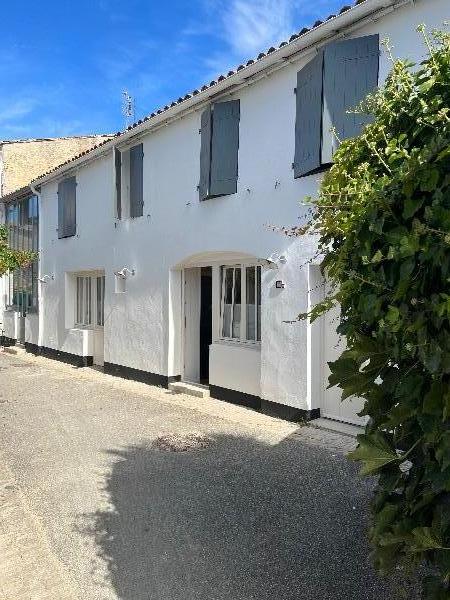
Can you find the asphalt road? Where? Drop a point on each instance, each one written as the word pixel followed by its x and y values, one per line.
pixel 262 510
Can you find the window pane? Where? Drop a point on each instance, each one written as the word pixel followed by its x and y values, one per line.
pixel 251 303
pixel 80 281
pixel 100 300
pixel 236 333
pixel 227 301
pixel 87 308
pixel 258 303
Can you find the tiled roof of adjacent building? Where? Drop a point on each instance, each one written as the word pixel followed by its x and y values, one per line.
pixel 293 38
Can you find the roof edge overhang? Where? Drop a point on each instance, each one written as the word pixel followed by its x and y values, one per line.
pixel 333 28
pixel 22 192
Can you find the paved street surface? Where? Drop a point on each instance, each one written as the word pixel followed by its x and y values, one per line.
pixel 95 506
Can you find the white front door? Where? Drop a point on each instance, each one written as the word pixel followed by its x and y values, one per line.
pixel 192 305
pixel 332 406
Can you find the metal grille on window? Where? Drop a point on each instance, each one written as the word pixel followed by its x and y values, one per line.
pixel 84 300
pixel 101 300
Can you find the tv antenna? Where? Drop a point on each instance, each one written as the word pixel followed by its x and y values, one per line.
pixel 128 108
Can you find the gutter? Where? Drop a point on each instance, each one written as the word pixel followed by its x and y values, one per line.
pixel 335 28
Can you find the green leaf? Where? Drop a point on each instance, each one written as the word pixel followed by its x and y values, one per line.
pixel 425 539
pixel 374 452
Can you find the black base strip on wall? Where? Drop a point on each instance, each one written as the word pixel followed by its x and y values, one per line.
pixel 273 409
pixel 288 413
pixel 138 375
pixel 6 341
pixel 234 397
pixel 67 357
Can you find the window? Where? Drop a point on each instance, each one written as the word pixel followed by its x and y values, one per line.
pixel 219 149
pixel 129 173
pixel 331 84
pixel 22 219
pixel 240 314
pixel 84 301
pixel 136 181
pixel 67 214
pixel 90 300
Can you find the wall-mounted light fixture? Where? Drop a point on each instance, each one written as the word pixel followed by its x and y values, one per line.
pixel 46 278
pixel 121 279
pixel 124 273
pixel 275 259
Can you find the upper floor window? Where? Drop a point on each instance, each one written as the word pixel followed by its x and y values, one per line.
pixel 67 207
pixel 219 149
pixel 331 84
pixel 129 168
pixel 240 307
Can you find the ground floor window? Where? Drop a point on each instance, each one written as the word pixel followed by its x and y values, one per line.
pixel 240 314
pixel 90 300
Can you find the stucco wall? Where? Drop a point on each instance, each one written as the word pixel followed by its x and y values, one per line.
pixel 142 325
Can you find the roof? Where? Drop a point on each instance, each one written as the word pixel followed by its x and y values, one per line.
pixel 16 194
pixel 52 139
pixel 358 11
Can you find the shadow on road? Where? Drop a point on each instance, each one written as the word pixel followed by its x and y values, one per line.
pixel 238 520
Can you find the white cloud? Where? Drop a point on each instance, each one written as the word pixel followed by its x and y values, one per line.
pixel 249 26
pixel 16 110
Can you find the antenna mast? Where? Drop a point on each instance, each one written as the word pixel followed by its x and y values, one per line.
pixel 128 108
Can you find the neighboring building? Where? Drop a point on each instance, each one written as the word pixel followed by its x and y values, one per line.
pixel 20 162
pixel 157 255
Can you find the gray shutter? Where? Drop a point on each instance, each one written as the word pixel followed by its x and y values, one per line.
pixel 118 171
pixel 136 181
pixel 67 218
pixel 350 73
pixel 61 200
pixel 205 154
pixel 308 121
pixel 225 148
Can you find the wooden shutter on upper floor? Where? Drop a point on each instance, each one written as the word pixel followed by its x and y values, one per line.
pixel 308 122
pixel 118 174
pixel 205 154
pixel 350 73
pixel 225 148
pixel 137 181
pixel 67 221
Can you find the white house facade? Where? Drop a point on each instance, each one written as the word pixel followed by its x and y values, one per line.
pixel 158 257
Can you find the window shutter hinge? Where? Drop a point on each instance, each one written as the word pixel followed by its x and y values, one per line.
pixel 295 90
pixel 293 166
pixel 198 188
pixel 199 130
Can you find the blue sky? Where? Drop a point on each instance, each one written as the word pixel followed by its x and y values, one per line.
pixel 64 64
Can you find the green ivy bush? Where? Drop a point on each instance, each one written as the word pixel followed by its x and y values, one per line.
pixel 383 221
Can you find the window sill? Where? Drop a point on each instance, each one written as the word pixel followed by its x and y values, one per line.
pixel 238 344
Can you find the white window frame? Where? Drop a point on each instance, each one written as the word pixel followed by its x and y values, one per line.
pixel 242 339
pixel 92 277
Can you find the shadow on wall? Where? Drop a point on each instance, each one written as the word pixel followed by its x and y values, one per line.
pixel 238 520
